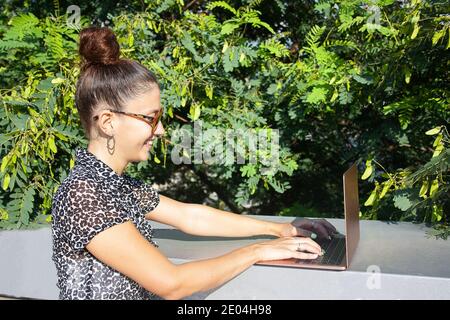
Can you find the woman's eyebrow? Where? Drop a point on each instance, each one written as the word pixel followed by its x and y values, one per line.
pixel 152 110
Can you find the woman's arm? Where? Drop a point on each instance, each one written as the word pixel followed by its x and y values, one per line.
pixel 202 220
pixel 208 221
pixel 124 249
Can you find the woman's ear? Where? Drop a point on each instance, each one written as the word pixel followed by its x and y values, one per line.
pixel 105 122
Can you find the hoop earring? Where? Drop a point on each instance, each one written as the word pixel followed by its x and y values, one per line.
pixel 111 149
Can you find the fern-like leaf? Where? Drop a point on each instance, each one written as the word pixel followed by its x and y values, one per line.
pixel 6 45
pixel 254 3
pixel 221 4
pixel 22 25
pixel 275 47
pixel 341 43
pixel 313 36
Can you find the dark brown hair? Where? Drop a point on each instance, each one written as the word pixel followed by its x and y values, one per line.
pixel 105 78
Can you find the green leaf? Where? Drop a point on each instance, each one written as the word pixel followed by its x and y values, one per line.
pixel 362 79
pixel 317 95
pixel 313 36
pixel 228 28
pixel 52 145
pixel 415 31
pixel 437 36
pixel 437 141
pixel 194 111
pixel 424 189
pixel 57 81
pixel 265 25
pixel 209 91
pixel 60 136
pixel 402 202
pixel 334 96
pixel 5 162
pixel 275 47
pixel 433 131
pixel 6 45
pixel 434 187
pixel 230 59
pixel 277 185
pixel 6 180
pixel 370 201
pixel 3 214
pixel 369 169
pixel 248 170
pixel 272 88
pixel 437 213
pixel 189 44
pixel 27 205
pixel 45 84
pixel 130 40
pixel 407 75
pixel 221 4
pixel 345 97
pixel 438 150
pixel 386 187
pixel 19 121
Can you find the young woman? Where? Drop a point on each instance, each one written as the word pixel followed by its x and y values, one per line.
pixel 102 241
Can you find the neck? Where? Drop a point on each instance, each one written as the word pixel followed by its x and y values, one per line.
pixel 114 161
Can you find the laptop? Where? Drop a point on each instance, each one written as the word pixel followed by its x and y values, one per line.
pixel 340 249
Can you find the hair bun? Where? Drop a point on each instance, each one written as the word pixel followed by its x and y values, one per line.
pixel 98 45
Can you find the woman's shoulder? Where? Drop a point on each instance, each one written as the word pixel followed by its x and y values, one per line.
pixel 77 182
pixel 79 195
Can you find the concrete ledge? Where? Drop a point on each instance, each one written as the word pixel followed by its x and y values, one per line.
pixel 393 261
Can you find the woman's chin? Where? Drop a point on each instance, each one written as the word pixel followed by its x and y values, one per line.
pixel 146 149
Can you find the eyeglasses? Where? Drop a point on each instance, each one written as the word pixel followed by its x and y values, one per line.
pixel 152 121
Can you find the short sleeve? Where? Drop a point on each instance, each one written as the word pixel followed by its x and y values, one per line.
pixel 146 196
pixel 89 211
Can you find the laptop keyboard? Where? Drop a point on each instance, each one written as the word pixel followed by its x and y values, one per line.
pixel 334 252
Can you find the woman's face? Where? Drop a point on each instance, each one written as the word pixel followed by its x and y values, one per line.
pixel 134 135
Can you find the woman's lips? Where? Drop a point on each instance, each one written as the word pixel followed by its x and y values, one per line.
pixel 148 143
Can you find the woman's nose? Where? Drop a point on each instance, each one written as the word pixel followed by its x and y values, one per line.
pixel 160 129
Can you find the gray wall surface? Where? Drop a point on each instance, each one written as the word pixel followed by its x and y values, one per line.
pixel 393 261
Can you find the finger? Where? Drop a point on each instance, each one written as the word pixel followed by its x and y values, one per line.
pixel 320 229
pixel 312 243
pixel 303 241
pixel 305 233
pixel 306 247
pixel 308 256
pixel 328 225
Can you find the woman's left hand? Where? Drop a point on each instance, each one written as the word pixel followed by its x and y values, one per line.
pixel 311 228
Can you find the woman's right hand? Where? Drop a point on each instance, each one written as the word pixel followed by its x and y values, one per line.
pixel 288 247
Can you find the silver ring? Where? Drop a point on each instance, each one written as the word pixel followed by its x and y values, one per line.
pixel 299 248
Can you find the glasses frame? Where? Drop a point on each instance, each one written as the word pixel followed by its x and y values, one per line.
pixel 152 121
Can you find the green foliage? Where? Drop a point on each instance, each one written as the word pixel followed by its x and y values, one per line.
pixel 422 195
pixel 39 124
pixel 341 80
pixel 301 210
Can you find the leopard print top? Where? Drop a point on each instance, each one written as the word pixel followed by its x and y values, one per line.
pixel 91 199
